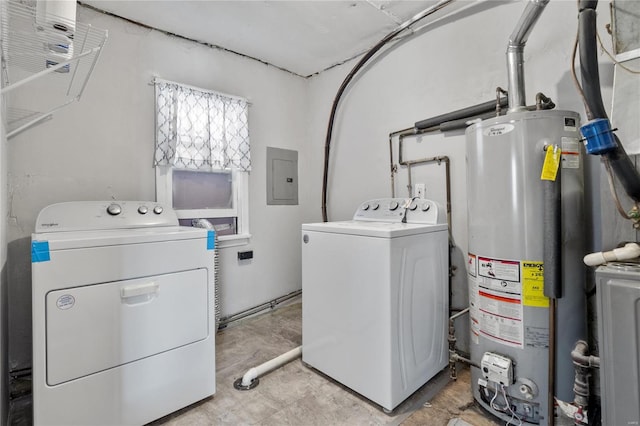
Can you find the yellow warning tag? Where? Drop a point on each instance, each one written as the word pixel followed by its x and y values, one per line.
pixel 551 163
pixel 533 284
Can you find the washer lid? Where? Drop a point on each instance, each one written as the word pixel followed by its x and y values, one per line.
pixel 373 229
pixel 112 237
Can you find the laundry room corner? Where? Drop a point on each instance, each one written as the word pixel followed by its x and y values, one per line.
pixel 102 148
pixel 389 212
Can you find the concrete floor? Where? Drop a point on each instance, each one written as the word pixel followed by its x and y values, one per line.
pixel 298 395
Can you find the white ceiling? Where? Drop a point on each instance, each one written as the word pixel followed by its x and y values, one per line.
pixel 303 37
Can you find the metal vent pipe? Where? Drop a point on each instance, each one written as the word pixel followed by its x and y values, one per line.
pixel 515 54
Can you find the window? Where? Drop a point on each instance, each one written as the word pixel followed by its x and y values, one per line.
pixel 203 158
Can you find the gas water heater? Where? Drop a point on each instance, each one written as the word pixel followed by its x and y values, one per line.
pixel 509 312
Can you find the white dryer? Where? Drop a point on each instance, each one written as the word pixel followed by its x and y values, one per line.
pixel 123 316
pixel 375 298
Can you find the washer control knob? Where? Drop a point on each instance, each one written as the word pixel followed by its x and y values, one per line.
pixel 426 207
pixel 143 209
pixel 375 206
pixel 413 205
pixel 114 209
pixel 393 205
pixel 365 207
pixel 158 209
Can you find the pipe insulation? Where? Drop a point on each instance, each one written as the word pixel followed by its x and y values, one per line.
pixel 628 252
pixel 552 261
pixel 249 379
pixel 464 113
pixel 463 123
pixel 552 244
pixel 462 118
pixel 515 53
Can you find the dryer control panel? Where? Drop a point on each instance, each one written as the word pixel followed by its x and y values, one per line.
pixel 99 215
pixel 409 210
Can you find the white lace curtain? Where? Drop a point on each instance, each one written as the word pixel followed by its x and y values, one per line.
pixel 199 129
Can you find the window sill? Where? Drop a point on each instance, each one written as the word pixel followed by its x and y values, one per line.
pixel 225 241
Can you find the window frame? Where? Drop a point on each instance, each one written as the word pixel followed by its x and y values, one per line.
pixel 240 184
pixel 240 201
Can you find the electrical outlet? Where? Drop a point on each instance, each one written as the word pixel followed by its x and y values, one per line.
pixel 420 190
pixel 245 255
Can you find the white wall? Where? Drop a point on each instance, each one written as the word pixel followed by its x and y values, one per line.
pixel 439 70
pixel 102 148
pixel 450 67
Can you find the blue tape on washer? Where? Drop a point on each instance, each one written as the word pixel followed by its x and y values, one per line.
pixel 211 239
pixel 40 251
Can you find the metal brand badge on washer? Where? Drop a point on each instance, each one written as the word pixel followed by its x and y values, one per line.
pixel 65 301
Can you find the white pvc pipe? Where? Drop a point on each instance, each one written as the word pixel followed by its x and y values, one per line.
pixel 265 367
pixel 628 252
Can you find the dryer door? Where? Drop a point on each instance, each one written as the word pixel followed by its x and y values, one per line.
pixel 98 327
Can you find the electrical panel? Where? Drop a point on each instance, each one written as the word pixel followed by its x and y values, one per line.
pixel 282 176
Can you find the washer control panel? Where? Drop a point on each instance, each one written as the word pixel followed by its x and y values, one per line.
pixel 114 209
pixel 92 215
pixel 409 210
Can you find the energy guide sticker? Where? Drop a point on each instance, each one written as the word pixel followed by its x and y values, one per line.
pixel 533 285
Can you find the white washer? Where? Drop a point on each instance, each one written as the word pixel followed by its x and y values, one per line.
pixel 123 316
pixel 375 298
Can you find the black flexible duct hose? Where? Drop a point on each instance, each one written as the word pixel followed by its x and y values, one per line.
pixel 347 80
pixel 589 73
pixel 618 159
pixel 625 171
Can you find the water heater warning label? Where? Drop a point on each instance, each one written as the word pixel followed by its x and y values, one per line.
pixel 499 269
pixel 495 300
pixel 570 153
pixel 472 264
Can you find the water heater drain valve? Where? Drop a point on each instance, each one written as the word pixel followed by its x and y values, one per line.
pixel 497 368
